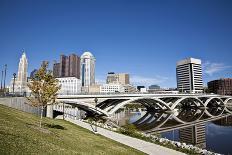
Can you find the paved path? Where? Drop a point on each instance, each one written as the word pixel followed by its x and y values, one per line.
pixel 146 147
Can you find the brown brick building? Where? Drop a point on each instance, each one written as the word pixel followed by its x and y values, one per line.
pixel 69 66
pixel 221 86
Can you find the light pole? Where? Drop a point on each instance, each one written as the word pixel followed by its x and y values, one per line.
pixel 14 75
pixel 95 100
pixel 5 77
pixel 63 110
pixel 1 79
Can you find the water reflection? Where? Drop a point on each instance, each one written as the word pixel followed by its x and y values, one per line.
pixel 153 120
pixel 194 135
pixel 189 125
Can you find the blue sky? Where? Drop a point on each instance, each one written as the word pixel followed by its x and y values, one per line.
pixel 144 38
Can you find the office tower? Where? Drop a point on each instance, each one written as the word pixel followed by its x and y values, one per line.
pixel 44 62
pixel 69 85
pixel 32 75
pixel 189 75
pixel 74 66
pixel 112 88
pixel 221 86
pixel 20 84
pixel 119 78
pixel 69 66
pixel 56 70
pixel 87 69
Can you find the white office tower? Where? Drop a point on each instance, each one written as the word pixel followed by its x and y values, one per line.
pixel 87 70
pixel 189 75
pixel 112 88
pixel 20 84
pixel 69 86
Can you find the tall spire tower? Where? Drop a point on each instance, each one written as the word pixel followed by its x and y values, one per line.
pixel 22 70
pixel 20 84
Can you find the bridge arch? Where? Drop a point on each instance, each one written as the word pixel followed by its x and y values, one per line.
pixel 218 102
pixel 227 100
pixel 184 98
pixel 228 107
pixel 214 98
pixel 155 101
pixel 86 105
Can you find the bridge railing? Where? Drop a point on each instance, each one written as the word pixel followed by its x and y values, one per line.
pixel 121 93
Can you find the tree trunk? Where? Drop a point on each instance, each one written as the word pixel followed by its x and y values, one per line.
pixel 41 117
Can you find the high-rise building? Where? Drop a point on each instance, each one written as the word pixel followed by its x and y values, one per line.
pixel 221 86
pixel 119 78
pixel 44 62
pixel 69 66
pixel 56 70
pixel 87 69
pixel 32 75
pixel 20 84
pixel 189 75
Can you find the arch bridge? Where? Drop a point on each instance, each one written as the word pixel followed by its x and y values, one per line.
pixel 160 108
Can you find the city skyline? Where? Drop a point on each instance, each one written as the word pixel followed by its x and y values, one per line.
pixel 137 38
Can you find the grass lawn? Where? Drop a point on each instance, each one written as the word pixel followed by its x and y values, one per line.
pixel 19 134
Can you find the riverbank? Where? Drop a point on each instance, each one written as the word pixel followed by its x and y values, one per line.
pixel 20 134
pixel 146 147
pixel 162 142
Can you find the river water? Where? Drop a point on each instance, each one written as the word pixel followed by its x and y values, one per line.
pixel 215 136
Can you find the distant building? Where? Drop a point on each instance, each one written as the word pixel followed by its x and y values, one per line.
pixel 32 75
pixel 56 70
pixel 44 62
pixel 94 89
pixel 143 90
pixel 112 88
pixel 87 69
pixel 119 78
pixel 189 75
pixel 69 66
pixel 140 87
pixel 122 79
pixel 221 86
pixel 129 88
pixel 69 85
pixel 154 87
pixel 20 84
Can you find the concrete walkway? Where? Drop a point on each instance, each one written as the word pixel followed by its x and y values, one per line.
pixel 146 147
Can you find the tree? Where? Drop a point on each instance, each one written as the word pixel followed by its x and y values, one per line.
pixel 44 88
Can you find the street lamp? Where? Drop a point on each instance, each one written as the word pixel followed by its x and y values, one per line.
pixel 95 100
pixel 1 79
pixel 5 77
pixel 14 75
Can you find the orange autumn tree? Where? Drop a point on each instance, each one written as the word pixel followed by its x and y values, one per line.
pixel 44 88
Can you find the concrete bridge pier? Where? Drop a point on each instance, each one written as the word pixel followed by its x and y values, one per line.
pixel 49 111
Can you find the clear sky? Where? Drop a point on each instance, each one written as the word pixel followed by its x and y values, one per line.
pixel 142 37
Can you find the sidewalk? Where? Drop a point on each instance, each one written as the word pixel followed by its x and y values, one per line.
pixel 146 147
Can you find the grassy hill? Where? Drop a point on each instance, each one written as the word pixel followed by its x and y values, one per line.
pixel 19 134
